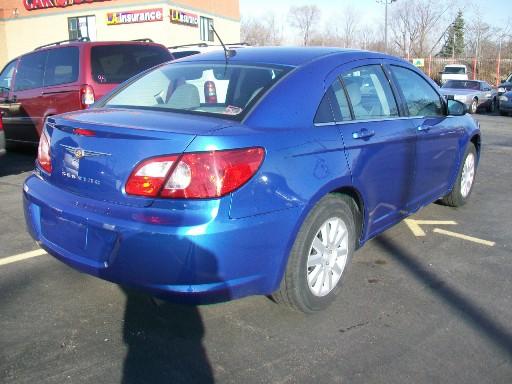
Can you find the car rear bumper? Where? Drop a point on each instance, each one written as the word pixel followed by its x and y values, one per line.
pixel 505 106
pixel 213 260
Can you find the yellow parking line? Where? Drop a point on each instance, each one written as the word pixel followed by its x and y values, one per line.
pixel 464 237
pixel 22 256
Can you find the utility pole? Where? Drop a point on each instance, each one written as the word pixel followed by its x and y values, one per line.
pixel 386 2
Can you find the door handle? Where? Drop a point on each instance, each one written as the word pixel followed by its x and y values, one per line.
pixel 424 128
pixel 363 134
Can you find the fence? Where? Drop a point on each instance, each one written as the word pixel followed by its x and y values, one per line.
pixel 481 69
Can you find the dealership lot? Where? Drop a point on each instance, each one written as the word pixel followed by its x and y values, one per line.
pixel 429 301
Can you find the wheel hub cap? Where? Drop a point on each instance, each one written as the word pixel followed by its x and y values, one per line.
pixel 327 256
pixel 468 175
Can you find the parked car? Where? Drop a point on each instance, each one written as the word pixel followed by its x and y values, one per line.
pixel 505 103
pixel 180 51
pixel 2 137
pixel 474 93
pixel 67 76
pixel 454 72
pixel 268 192
pixel 506 85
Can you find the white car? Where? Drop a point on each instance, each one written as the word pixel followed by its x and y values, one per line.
pixel 454 72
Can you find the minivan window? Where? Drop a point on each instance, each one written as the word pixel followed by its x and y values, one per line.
pixel 369 93
pixel 113 64
pixel 6 76
pixel 421 99
pixel 204 88
pixel 30 71
pixel 61 66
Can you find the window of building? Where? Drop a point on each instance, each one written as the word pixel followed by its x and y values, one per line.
pixel 420 97
pixel 205 30
pixel 370 94
pixel 61 66
pixel 30 71
pixel 82 26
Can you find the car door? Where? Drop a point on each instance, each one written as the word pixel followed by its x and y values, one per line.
pixel 26 104
pixel 379 145
pixel 437 144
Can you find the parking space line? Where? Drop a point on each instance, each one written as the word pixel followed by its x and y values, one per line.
pixel 464 237
pixel 22 256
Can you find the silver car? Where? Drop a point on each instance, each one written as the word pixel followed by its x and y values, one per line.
pixel 474 93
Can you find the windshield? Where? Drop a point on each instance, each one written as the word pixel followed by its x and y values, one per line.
pixel 462 84
pixel 455 70
pixel 205 88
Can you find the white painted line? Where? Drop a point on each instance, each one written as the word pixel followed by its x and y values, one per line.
pixel 22 256
pixel 464 237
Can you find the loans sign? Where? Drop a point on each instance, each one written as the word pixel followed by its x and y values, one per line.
pixel 32 5
pixel 185 18
pixel 138 16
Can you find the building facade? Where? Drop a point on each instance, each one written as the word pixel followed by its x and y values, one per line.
pixel 27 24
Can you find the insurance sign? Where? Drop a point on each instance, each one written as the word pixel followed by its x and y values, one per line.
pixel 137 16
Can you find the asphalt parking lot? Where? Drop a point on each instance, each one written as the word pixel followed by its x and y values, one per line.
pixel 426 302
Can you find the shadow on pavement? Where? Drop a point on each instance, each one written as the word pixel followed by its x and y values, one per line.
pixel 470 313
pixel 164 343
pixel 18 161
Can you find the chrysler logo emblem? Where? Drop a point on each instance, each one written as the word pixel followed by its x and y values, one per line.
pixel 79 153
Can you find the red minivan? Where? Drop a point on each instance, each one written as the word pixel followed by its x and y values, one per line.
pixel 67 76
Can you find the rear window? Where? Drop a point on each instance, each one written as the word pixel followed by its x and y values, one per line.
pixel 206 88
pixel 464 84
pixel 455 70
pixel 61 66
pixel 113 64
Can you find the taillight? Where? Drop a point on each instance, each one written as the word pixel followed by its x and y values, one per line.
pixel 1 122
pixel 86 96
pixel 210 92
pixel 43 153
pixel 197 175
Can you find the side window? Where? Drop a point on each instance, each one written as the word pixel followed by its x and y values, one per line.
pixel 30 71
pixel 370 94
pixel 6 76
pixel 334 105
pixel 61 66
pixel 420 97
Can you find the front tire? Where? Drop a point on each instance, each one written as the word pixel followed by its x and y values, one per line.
pixel 320 255
pixel 465 180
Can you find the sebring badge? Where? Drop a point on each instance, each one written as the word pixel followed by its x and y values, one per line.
pixel 79 153
pixel 71 166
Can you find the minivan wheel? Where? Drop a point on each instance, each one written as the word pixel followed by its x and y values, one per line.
pixel 465 180
pixel 320 255
pixel 474 106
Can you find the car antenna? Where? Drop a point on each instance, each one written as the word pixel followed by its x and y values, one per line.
pixel 227 52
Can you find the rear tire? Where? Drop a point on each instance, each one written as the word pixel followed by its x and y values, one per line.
pixel 492 106
pixel 503 113
pixel 465 179
pixel 474 106
pixel 320 255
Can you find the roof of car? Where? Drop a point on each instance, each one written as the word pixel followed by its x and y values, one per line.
pixel 292 56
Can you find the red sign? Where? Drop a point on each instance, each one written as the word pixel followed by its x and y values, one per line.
pixel 31 5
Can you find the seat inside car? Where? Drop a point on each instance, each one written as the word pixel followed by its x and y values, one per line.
pixel 185 96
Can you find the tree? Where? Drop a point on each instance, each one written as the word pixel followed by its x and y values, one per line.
pixel 454 44
pixel 304 19
pixel 263 31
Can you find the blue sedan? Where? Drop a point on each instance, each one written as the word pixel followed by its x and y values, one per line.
pixel 258 171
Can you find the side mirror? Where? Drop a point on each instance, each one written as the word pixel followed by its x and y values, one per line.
pixel 456 108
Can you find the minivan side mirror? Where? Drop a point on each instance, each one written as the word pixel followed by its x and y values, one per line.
pixel 456 108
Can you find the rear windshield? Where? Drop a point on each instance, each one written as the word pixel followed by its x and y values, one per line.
pixel 206 88
pixel 461 84
pixel 455 70
pixel 113 64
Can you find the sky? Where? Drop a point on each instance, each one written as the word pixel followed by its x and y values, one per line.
pixel 494 12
